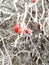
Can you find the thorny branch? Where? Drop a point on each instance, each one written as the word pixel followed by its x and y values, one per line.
pixel 20 49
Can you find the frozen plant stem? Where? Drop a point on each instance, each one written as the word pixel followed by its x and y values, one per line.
pixel 25 14
pixel 35 20
pixel 2 56
pixel 6 50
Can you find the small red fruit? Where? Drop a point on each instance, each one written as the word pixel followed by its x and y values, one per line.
pixel 19 30
pixel 33 1
pixel 27 31
pixel 16 28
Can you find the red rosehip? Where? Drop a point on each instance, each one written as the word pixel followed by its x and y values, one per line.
pixel 27 31
pixel 33 1
pixel 19 30
pixel 16 28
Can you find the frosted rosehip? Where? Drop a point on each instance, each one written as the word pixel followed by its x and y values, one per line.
pixel 33 1
pixel 16 27
pixel 27 31
pixel 19 30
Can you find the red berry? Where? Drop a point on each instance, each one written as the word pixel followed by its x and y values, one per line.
pixel 33 1
pixel 19 30
pixel 16 28
pixel 27 31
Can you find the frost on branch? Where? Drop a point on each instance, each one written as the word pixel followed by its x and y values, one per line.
pixel 29 43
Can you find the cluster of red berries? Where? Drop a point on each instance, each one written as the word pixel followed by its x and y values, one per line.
pixel 18 29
